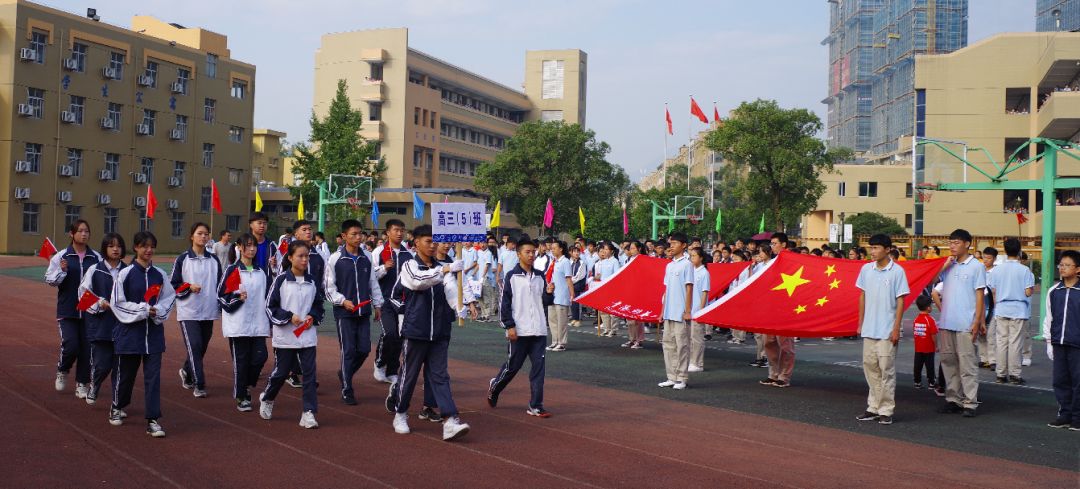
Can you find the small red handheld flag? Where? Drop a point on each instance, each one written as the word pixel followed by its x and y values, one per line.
pixel 283 247
pixel 47 249
pixel 151 292
pixel 1020 218
pixel 184 286
pixel 549 273
pixel 151 202
pixel 695 110
pixel 87 301
pixel 232 282
pixel 386 254
pixel 359 306
pixel 300 330
pixel 215 197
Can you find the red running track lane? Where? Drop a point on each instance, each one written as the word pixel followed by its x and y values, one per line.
pixel 597 438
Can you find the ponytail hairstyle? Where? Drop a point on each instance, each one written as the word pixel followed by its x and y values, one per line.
pixel 286 263
pixel 241 242
pixel 705 257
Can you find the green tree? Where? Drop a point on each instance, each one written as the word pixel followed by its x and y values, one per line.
pixel 564 163
pixel 778 158
pixel 335 147
pixel 871 223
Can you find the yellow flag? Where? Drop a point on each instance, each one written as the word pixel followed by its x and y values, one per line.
pixel 258 200
pixel 300 209
pixel 581 218
pixel 495 215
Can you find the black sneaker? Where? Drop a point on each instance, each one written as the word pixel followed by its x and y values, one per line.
pixel 294 381
pixel 430 415
pixel 968 413
pixel 867 416
pixel 391 399
pixel 781 383
pixel 767 381
pixel 154 429
pixel 1059 423
pixel 1017 380
pixel 708 337
pixel 348 399
pixel 243 405
pixel 918 385
pixel 950 408
pixel 885 420
pixel 1001 380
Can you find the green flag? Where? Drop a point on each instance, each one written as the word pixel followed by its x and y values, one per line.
pixel 761 226
pixel 670 224
pixel 719 219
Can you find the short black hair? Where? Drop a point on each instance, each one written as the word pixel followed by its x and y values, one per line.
pixel 923 302
pixel 990 250
pixel 705 257
pixel 394 222
pixel 108 240
pixel 195 227
pixel 1072 255
pixel 74 227
pixel 549 240
pixel 880 240
pixel 561 245
pixel 660 243
pixel 223 233
pixel 780 237
pixel 894 254
pixel 590 242
pixel 960 234
pixel 419 232
pixel 320 235
pixel 145 238
pixel 525 239
pixel 817 252
pixel 678 236
pixel 348 224
pixel 299 224
pixel 258 216
pixel 1012 247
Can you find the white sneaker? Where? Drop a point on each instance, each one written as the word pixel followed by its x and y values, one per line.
pixel 694 368
pixel 453 428
pixel 380 374
pixel 61 381
pixel 200 393
pixel 679 386
pixel 1026 362
pixel 666 383
pixel 307 420
pixel 401 423
pixel 116 417
pixel 391 379
pixel 80 390
pixel 266 408
pixel 154 429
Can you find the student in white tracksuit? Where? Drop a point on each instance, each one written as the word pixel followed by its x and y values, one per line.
pixel 243 319
pixel 195 276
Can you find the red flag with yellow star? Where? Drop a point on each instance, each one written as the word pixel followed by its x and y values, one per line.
pixel 805 296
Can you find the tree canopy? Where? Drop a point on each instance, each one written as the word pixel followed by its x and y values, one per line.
pixel 871 223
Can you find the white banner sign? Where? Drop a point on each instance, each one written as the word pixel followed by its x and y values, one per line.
pixel 456 222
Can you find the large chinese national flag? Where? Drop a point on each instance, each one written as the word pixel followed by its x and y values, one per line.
pixel 805 296
pixel 721 275
pixel 635 292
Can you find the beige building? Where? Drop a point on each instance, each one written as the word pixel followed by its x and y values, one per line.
pixel 92 114
pixel 995 94
pixel 436 122
pixel 268 166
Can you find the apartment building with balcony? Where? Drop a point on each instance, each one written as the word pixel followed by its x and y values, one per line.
pixel 91 114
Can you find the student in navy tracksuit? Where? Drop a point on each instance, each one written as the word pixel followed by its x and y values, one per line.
pixel 139 338
pixel 425 329
pixel 1061 327
pixel 353 288
pixel 65 272
pixel 316 267
pixel 195 276
pixel 295 302
pixel 243 318
pixel 525 296
pixel 268 258
pixel 388 350
pixel 100 321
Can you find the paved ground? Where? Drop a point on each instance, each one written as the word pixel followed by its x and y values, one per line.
pixel 612 427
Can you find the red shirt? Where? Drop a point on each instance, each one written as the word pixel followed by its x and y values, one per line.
pixel 925 328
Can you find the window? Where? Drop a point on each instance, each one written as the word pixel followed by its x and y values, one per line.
pixel 144 223
pixel 376 72
pixel 208 109
pixel 551 115
pixel 432 123
pixel 38 41
pixel 908 191
pixel 841 188
pixel 182 76
pixel 177 224
pixel 552 87
pixel 71 214
pixel 374 111
pixel 178 170
pixel 116 62
pixel 78 53
pixel 425 118
pixel 181 125
pixel 416 117
pixel 151 72
pixel 208 155
pixel 35 98
pixel 236 134
pixel 33 155
pixel 75 161
pixel 907 220
pixel 112 215
pixel 112 164
pixel 235 176
pixel 211 65
pixel 239 89
pixel 114 115
pixel 148 117
pixel 232 222
pixel 204 199
pixel 867 189
pixel 30 215
pixel 147 169
pixel 76 107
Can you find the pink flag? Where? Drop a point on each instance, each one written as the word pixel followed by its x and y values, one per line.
pixel 625 221
pixel 549 215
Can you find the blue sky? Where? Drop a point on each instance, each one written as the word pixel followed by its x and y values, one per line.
pixel 641 53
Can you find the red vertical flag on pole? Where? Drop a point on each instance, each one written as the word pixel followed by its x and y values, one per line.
pixel 215 197
pixel 667 117
pixel 715 113
pixel 695 110
pixel 151 202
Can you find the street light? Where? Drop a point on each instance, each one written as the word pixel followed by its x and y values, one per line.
pixel 840 233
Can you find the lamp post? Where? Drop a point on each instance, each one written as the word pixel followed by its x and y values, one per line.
pixel 840 232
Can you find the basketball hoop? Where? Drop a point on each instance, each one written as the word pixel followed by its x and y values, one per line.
pixel 694 219
pixel 925 191
pixel 353 202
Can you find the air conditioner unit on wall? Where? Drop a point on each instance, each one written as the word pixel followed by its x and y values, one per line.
pixel 140 178
pixel 140 201
pixel 143 129
pixel 67 171
pixel 71 64
pixel 104 175
pixel 22 166
pixel 22 192
pixel 107 123
pixel 176 87
pixel 146 81
pixel 172 204
pixel 176 134
pixel 26 110
pixel 104 199
pixel 67 117
pixel 63 196
pixel 109 73
pixel 174 181
pixel 27 54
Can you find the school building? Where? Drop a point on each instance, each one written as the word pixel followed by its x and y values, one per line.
pixel 93 114
pixel 993 95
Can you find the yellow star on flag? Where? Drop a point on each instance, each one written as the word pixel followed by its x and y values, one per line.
pixel 835 284
pixel 801 309
pixel 822 301
pixel 790 282
pixel 831 269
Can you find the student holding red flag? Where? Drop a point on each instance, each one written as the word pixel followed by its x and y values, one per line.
pixel 142 299
pixel 65 272
pixel 316 267
pixel 882 287
pixel 96 289
pixel 195 271
pixel 391 255
pixel 242 296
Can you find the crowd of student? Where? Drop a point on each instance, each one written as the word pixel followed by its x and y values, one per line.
pixel 111 314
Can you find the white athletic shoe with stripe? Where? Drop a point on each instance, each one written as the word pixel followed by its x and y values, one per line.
pixel 401 423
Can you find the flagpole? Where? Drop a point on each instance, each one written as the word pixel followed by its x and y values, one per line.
pixel 689 147
pixel 663 162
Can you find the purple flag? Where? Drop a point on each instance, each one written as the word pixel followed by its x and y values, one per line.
pixel 549 215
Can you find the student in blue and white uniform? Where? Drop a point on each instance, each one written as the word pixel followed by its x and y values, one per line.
pixel 140 336
pixel 605 269
pixel 558 312
pixel 195 276
pixel 698 258
pixel 316 267
pixel 388 348
pixel 678 301
pixel 243 319
pixel 65 272
pixel 268 258
pixel 295 301
pixel 100 321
